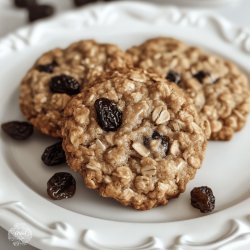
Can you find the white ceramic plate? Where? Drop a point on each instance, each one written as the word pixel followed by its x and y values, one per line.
pixel 88 221
pixel 202 3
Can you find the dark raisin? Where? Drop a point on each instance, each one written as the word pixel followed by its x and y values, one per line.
pixel 156 135
pixel 201 75
pixel 54 155
pixel 40 11
pixel 61 185
pixel 18 130
pixel 146 141
pixel 24 3
pixel 64 84
pixel 173 76
pixel 165 143
pixel 164 140
pixel 203 199
pixel 47 68
pixel 83 2
pixel 109 117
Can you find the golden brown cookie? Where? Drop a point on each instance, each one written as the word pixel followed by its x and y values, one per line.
pixel 60 74
pixel 134 137
pixel 219 89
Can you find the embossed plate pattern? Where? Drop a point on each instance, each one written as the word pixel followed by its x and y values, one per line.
pixel 87 221
pixel 203 2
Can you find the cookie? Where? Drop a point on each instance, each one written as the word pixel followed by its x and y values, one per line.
pixel 134 137
pixel 219 89
pixel 61 73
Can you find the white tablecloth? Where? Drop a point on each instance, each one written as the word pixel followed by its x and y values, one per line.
pixel 11 19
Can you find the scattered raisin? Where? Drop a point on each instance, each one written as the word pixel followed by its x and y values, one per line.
pixel 173 76
pixel 64 84
pixel 47 68
pixel 24 3
pixel 40 11
pixel 18 130
pixel 203 199
pixel 201 75
pixel 61 185
pixel 54 155
pixel 109 117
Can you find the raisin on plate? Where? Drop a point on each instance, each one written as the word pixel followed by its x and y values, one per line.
pixel 203 199
pixel 79 3
pixel 40 11
pixel 54 155
pixel 24 3
pixel 18 130
pixel 61 185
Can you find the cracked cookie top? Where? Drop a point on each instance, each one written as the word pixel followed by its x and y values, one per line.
pixel 134 137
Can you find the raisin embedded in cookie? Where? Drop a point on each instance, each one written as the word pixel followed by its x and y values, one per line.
pixel 134 137
pixel 219 89
pixel 60 74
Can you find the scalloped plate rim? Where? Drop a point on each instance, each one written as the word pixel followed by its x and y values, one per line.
pixel 138 223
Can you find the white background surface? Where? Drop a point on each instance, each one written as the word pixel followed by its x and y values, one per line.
pixel 11 18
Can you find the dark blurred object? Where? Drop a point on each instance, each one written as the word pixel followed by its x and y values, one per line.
pixel 24 3
pixel 40 11
pixel 18 130
pixel 83 2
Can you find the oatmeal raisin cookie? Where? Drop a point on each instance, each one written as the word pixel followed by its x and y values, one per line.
pixel 61 73
pixel 134 137
pixel 219 89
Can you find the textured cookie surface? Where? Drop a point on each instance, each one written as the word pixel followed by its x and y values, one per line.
pixel 219 89
pixel 134 137
pixel 84 61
